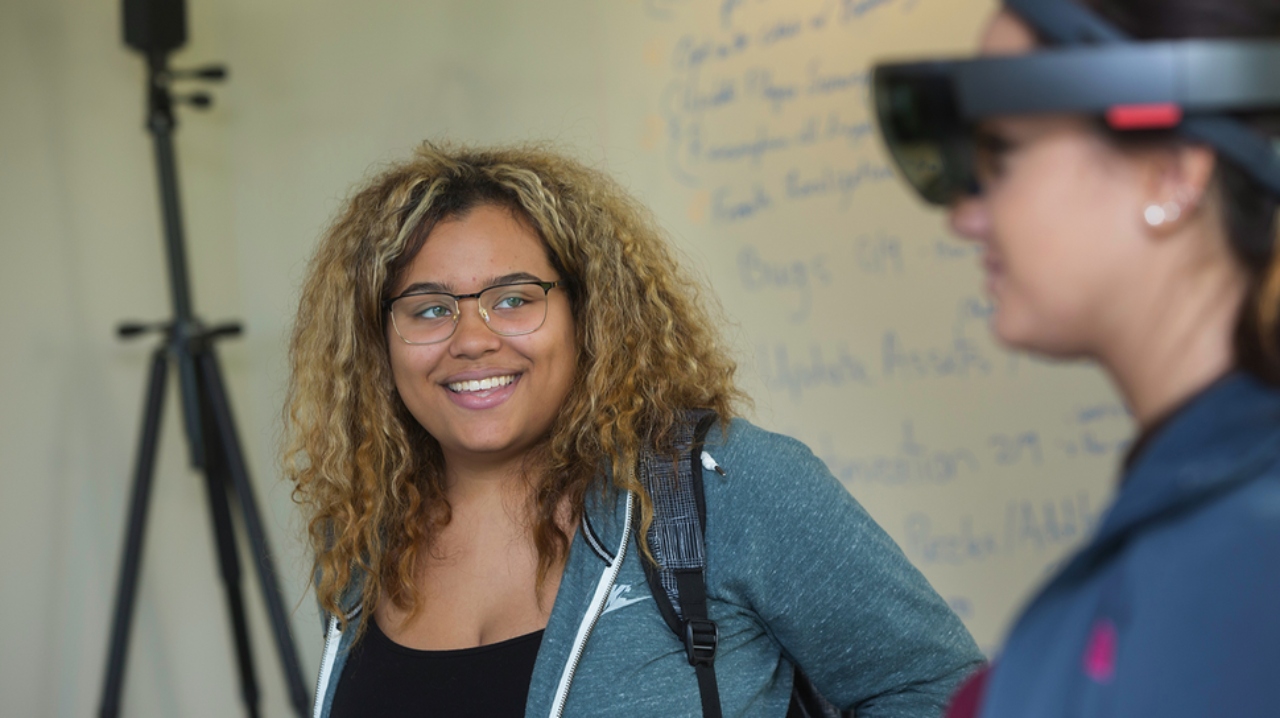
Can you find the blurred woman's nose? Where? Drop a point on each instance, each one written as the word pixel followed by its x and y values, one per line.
pixel 969 218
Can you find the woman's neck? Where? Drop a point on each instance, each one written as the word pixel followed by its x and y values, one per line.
pixel 485 480
pixel 1178 339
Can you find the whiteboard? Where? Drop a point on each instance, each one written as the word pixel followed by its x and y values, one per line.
pixel 861 326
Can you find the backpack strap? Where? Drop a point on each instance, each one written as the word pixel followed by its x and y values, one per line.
pixel 677 540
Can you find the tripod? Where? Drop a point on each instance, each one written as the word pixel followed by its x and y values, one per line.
pixel 211 435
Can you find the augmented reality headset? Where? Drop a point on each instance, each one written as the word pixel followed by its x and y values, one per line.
pixel 928 111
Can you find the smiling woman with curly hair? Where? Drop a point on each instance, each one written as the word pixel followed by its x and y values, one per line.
pixel 487 343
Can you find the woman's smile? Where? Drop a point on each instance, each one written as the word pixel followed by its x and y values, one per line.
pixel 482 393
pixel 475 385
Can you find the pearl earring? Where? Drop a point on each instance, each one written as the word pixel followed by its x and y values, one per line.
pixel 1159 214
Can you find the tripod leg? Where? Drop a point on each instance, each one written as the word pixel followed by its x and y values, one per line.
pixel 218 486
pixel 131 561
pixel 229 443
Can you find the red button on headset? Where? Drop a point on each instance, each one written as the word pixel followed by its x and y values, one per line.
pixel 1161 116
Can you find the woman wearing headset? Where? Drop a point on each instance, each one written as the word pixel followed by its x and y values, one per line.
pixel 1124 191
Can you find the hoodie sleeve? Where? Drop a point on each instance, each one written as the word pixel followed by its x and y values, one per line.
pixel 829 585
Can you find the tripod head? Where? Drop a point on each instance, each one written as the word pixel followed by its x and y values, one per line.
pixel 156 28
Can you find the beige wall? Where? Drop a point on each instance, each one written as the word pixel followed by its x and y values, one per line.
pixel 80 250
pixel 321 91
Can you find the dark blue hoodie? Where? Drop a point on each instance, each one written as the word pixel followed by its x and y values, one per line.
pixel 1174 608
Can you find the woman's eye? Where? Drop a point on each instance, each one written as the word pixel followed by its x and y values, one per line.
pixel 433 311
pixel 510 303
pixel 991 155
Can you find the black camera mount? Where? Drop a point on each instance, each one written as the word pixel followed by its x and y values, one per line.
pixel 156 28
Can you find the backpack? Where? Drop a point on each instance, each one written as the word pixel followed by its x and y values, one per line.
pixel 677 541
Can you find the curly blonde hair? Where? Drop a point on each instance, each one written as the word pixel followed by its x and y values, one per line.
pixel 369 476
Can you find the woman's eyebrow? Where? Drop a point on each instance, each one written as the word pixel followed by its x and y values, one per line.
pixel 426 287
pixel 446 288
pixel 514 277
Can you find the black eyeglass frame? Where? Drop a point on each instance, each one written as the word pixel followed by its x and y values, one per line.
pixel 457 302
pixel 1190 84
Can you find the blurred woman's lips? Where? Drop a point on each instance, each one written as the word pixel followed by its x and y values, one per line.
pixel 992 268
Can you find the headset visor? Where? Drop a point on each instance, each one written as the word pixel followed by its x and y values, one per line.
pixel 928 110
pixel 921 123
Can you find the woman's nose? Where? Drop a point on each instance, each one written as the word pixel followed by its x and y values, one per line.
pixel 969 218
pixel 472 337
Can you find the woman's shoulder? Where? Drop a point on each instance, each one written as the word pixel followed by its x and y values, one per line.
pixel 757 448
pixel 1215 546
pixel 1243 511
pixel 775 471
pixel 1244 518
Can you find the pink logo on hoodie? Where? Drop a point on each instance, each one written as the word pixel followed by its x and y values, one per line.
pixel 1100 652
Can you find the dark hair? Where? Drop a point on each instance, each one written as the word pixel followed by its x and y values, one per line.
pixel 1249 211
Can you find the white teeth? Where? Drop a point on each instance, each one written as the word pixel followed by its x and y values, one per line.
pixel 492 382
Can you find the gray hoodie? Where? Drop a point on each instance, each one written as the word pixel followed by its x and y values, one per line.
pixel 797 573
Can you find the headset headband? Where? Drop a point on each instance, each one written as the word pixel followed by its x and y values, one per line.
pixel 1068 23
pixel 927 110
pixel 1149 85
pixel 1064 22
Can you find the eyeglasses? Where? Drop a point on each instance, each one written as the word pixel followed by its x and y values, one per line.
pixel 507 309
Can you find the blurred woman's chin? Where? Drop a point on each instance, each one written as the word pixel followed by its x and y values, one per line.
pixel 1027 335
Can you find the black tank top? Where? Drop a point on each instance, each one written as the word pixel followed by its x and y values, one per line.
pixel 383 678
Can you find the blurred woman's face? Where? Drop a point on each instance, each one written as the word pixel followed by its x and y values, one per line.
pixel 1057 218
pixel 486 398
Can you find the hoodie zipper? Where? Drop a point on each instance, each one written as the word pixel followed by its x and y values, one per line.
pixel 332 640
pixel 596 609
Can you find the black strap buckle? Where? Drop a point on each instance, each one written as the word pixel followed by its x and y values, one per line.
pixel 701 637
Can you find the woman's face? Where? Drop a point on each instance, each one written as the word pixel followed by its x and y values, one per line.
pixel 490 426
pixel 1058 219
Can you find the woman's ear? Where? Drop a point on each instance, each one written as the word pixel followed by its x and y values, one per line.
pixel 1176 182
